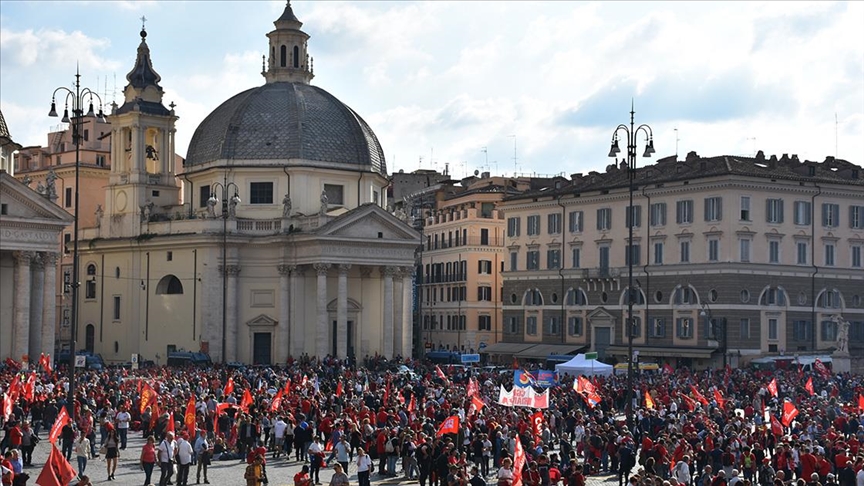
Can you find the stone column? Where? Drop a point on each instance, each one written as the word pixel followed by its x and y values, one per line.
pixel 21 298
pixel 49 303
pixel 37 297
pixel 231 312
pixel 283 328
pixel 407 311
pixel 298 326
pixel 342 313
pixel 321 333
pixel 387 348
pixel 362 324
pixel 398 325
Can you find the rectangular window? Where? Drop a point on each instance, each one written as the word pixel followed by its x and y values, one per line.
pixel 830 215
pixel 856 256
pixel 774 251
pixel 636 326
pixel 576 257
pixel 484 237
pixel 514 261
pixel 658 214
pixel 745 209
pixel 802 213
pixel 658 253
pixel 533 225
pixel 829 254
pixel 774 211
pixel 551 327
pixel 67 243
pixel 802 252
pixel 204 196
pixel 513 227
pixel 772 329
pixel 531 325
pixel 684 328
pixel 262 193
pixel 604 219
pixel 100 160
pixel 512 325
pixel 744 328
pixel 685 251
pixel 116 314
pixel 684 212
pixel 67 199
pixel 713 250
pixel 533 262
pixel 632 253
pixel 801 330
pixel 484 323
pixel 744 250
pixel 90 288
pixel 829 331
pixel 335 194
pixel 604 258
pixel 574 223
pixel 574 326
pixel 713 208
pixel 658 327
pixel 484 267
pixel 554 223
pixel 634 214
pixel 553 259
pixel 484 294
pixel 856 217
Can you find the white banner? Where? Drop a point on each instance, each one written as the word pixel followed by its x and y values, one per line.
pixel 523 397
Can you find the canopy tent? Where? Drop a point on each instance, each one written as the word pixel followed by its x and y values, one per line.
pixel 581 366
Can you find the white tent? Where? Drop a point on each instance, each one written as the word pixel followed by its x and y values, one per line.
pixel 581 366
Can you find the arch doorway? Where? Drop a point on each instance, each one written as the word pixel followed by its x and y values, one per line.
pixel 90 337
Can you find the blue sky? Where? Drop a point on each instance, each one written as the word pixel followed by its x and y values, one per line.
pixel 443 80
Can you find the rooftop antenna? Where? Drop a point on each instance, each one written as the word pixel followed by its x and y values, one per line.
pixel 676 143
pixel 836 130
pixel 485 151
pixel 420 164
pixel 515 165
pixel 753 139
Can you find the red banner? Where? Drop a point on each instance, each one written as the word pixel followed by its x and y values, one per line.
pixel 189 418
pixel 148 397
pixel 537 425
pixel 61 420
pixel 789 413
pixel 518 462
pixel 277 401
pixel 772 387
pixel 721 402
pixel 57 471
pixel 449 426
pixel 809 386
pixel 523 397
pixel 776 427
pixel 229 387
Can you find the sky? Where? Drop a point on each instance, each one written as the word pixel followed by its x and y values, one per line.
pixel 505 87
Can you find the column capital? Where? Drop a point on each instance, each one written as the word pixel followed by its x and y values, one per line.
pixel 407 272
pixel 230 270
pixel 23 257
pixel 37 262
pixel 389 271
pixel 365 271
pixel 49 258
pixel 321 268
pixel 287 269
pixel 344 268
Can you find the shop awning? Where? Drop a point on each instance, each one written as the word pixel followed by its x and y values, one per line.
pixel 506 348
pixel 542 351
pixel 664 352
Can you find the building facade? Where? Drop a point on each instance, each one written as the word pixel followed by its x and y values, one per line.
pixel 733 258
pixel 281 246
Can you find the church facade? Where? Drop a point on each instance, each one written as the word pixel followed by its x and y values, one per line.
pixel 280 245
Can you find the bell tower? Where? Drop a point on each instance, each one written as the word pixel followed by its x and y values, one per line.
pixel 288 60
pixel 142 185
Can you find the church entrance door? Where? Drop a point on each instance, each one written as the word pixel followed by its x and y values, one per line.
pixel 262 348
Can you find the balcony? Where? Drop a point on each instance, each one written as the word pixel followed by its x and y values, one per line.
pixel 601 272
pixel 472 241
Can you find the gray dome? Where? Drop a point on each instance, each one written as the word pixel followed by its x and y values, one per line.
pixel 283 121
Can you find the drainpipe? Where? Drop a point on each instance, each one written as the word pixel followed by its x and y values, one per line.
pixel 647 262
pixel 191 194
pixel 813 264
pixel 561 274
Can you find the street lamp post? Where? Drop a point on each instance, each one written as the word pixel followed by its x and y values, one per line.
pixel 228 203
pixel 718 329
pixel 631 132
pixel 76 98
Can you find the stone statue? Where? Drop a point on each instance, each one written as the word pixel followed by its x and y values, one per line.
pixel 26 180
pixel 842 334
pixel 401 214
pixel 286 206
pixel 50 190
pixel 40 188
pixel 147 211
pixel 99 213
pixel 324 202
pixel 211 207
pixel 232 206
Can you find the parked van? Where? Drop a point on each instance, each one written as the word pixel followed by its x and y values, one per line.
pixel 186 358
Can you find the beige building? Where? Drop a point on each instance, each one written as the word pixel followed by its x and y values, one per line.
pixel 281 247
pixel 733 257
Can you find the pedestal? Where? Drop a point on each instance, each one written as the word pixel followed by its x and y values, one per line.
pixel 841 362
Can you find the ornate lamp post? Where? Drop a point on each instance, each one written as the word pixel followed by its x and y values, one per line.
pixel 229 204
pixel 631 132
pixel 76 98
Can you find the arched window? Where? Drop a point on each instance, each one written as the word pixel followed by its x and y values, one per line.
pixel 576 297
pixel 296 57
pixel 272 56
pixel 91 269
pixel 684 296
pixel 638 297
pixel 773 296
pixel 829 299
pixel 169 285
pixel 533 297
pixel 283 56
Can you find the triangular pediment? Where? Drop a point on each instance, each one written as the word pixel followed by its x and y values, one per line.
pixel 262 320
pixel 369 222
pixel 601 314
pixel 23 204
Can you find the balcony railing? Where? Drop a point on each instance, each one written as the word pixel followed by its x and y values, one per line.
pixel 601 272
pixel 471 241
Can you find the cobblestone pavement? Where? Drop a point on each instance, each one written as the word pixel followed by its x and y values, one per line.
pixel 221 473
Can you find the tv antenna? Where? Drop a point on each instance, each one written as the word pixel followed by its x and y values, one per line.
pixel 515 159
pixel 676 143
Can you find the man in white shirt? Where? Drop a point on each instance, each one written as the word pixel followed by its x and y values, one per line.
pixel 202 453
pixel 859 478
pixel 122 420
pixel 165 453
pixel 279 429
pixel 184 459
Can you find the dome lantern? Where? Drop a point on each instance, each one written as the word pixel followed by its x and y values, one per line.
pixel 288 57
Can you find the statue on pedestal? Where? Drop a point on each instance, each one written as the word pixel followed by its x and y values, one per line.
pixel 324 203
pixel 286 206
pixel 842 346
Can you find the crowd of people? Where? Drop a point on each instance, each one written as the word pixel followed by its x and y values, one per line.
pixel 423 422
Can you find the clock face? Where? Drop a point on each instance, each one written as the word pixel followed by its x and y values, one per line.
pixel 120 201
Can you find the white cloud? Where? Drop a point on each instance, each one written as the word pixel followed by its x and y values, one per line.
pixel 52 47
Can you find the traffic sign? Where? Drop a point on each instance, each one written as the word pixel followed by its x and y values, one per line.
pixel 470 358
pixel 591 355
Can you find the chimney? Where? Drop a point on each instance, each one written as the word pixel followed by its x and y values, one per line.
pixel 772 162
pixel 760 157
pixel 691 156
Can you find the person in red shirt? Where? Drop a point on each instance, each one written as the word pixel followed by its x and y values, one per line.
pixel 840 459
pixel 808 463
pixel 15 435
pixel 8 475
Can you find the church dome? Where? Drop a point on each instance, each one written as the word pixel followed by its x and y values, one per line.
pixel 286 120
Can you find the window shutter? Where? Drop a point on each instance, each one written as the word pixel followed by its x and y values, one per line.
pixel 678 212
pixel 707 207
pixel 780 211
pixel 767 210
pixel 719 208
pixel 662 328
pixel 679 328
pixel 852 216
pixel 825 209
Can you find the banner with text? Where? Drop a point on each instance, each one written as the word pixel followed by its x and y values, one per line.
pixel 523 397
pixel 539 378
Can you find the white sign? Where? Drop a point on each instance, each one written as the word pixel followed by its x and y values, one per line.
pixel 80 361
pixel 523 397
pixel 135 361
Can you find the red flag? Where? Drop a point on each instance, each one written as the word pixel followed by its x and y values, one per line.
pixel 170 427
pixel 477 403
pixel 189 418
pixel 57 471
pixel 412 405
pixel 518 462
pixel 155 414
pixel 339 389
pixel 473 387
pixel 7 406
pixel 809 386
pixel 537 425
pixel 277 401
pixel 649 402
pixel 329 445
pixel 15 388
pixel 449 426
pixel 667 368
pixel 789 413
pixel 772 387
pixel 61 420
pixel 304 382
pixel 387 392
pixel 148 397
pixel 721 402
pixel 592 398
pixel 229 387
pixel 45 361
pixel 699 396
pixel 861 402
pixel 820 368
pixel 287 388
pixel 691 404
pixel 30 386
pixel 584 385
pixel 246 400
pixel 439 373
pixel 776 427
pixel 220 407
